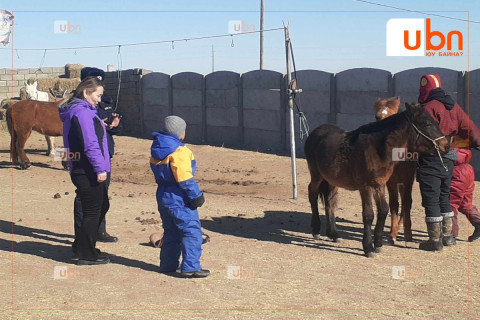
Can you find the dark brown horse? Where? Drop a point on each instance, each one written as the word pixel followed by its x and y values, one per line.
pixel 27 115
pixel 401 180
pixel 362 160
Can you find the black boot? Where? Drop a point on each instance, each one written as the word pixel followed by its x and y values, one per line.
pixel 105 237
pixel 202 273
pixel 447 231
pixel 475 235
pixel 434 242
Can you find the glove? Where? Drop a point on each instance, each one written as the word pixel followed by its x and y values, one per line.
pixel 197 202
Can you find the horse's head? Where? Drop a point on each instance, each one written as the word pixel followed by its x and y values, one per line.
pixel 428 136
pixel 31 89
pixel 386 107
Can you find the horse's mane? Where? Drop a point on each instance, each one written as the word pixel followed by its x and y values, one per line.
pixel 388 123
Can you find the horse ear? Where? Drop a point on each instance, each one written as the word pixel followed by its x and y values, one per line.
pixel 408 107
pixel 35 84
pixel 25 83
pixel 398 98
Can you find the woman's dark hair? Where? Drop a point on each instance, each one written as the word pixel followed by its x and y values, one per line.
pixel 90 84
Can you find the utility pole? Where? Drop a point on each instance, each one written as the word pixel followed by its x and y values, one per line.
pixel 261 34
pixel 291 91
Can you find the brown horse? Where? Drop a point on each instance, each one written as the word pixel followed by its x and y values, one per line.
pixel 27 115
pixel 401 180
pixel 362 160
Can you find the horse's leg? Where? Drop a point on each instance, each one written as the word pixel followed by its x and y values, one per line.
pixel 401 190
pixel 50 145
pixel 313 198
pixel 21 140
pixel 393 203
pixel 330 197
pixel 367 215
pixel 406 210
pixel 382 212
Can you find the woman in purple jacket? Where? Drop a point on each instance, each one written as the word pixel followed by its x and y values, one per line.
pixel 85 139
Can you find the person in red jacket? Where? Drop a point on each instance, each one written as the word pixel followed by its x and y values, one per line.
pixel 434 172
pixel 462 187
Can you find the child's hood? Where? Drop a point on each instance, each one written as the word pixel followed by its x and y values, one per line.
pixel 164 144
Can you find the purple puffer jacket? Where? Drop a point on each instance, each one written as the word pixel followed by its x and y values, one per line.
pixel 85 138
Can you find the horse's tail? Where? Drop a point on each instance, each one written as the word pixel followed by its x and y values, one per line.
pixel 13 135
pixel 324 191
pixel 8 118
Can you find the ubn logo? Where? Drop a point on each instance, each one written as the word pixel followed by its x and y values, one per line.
pixel 402 154
pixel 64 272
pixel 413 37
pixel 64 26
pixel 237 272
pixel 238 26
pixel 402 273
pixel 63 154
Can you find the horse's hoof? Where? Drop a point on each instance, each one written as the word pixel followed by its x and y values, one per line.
pixel 316 236
pixel 336 240
pixel 24 166
pixel 389 241
pixel 370 254
pixel 409 238
pixel 334 236
pixel 378 249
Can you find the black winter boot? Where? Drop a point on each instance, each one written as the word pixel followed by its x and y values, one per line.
pixel 434 242
pixel 475 235
pixel 447 231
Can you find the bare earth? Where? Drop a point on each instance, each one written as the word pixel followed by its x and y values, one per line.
pixel 253 224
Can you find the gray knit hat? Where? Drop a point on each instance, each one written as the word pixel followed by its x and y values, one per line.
pixel 175 125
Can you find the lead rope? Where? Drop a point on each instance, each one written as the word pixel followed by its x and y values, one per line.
pixel 303 123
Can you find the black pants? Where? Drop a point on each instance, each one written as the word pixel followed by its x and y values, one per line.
pixel 434 183
pixel 95 204
pixel 78 212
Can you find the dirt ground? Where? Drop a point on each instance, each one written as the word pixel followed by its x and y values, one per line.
pixel 254 226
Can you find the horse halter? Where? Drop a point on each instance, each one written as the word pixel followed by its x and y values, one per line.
pixel 434 141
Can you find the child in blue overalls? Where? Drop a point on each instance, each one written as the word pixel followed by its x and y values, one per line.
pixel 178 197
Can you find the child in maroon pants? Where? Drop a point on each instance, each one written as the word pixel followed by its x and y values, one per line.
pixel 462 187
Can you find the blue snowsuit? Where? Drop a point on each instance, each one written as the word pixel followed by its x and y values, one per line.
pixel 173 165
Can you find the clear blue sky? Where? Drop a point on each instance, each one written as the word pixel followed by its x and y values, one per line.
pixel 329 41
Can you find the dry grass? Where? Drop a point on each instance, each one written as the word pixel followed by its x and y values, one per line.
pixel 59 84
pixel 73 70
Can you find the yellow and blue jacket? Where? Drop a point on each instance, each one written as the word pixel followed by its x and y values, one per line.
pixel 173 165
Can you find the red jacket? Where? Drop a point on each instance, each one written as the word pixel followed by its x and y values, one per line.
pixel 464 156
pixel 463 181
pixel 454 122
